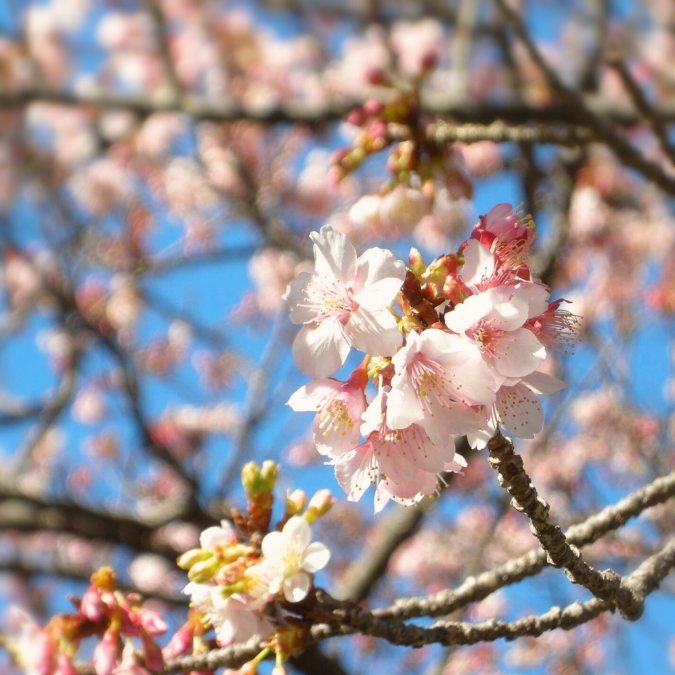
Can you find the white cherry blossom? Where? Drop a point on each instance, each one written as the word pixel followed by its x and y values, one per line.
pixel 344 303
pixel 290 560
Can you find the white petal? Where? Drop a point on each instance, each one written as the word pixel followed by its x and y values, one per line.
pixel 296 533
pixel 372 417
pixel 373 332
pixel 295 297
pixel 519 411
pixel 379 277
pixel 272 545
pixel 509 307
pixel 334 256
pixel 520 354
pixel 403 404
pixel 537 298
pixel 320 349
pixel 355 472
pixel 470 312
pixel 316 557
pixel 297 586
pixel 541 383
pixel 312 396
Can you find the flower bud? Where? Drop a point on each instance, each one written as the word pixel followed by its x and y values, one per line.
pixel 91 604
pixel 104 579
pixel 192 557
pixel 201 572
pixel 106 652
pixel 357 117
pixel 320 504
pixel 373 107
pixel 295 502
pixel 417 264
pixel 258 480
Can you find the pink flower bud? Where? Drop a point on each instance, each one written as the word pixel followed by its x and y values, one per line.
pixel 91 604
pixel 356 117
pixel 377 76
pixel 153 654
pixel 107 652
pixel 152 622
pixel 180 643
pixel 373 107
pixel 64 665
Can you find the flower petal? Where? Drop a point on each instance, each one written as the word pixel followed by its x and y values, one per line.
pixel 519 354
pixel 479 263
pixel 272 544
pixel 373 332
pixel 296 533
pixel 334 255
pixel 297 586
pixel 320 349
pixel 316 557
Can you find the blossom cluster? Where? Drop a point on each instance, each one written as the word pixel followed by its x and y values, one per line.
pixel 234 582
pixel 104 611
pixel 463 357
pixel 241 577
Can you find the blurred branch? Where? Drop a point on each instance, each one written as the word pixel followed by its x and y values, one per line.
pixel 48 416
pixel 291 112
pixel 601 125
pixel 563 179
pixel 499 132
pixel 642 105
pixel 363 573
pixel 28 513
pixel 66 570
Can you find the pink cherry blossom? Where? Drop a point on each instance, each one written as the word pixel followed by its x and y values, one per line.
pixel 344 303
pixel 338 406
pixel 407 460
pixel 438 375
pixel 494 322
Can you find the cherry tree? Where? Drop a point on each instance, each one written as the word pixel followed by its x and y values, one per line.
pixel 337 336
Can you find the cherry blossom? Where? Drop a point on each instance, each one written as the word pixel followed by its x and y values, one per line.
pixel 494 323
pixel 344 303
pixel 438 375
pixel 290 560
pixel 339 407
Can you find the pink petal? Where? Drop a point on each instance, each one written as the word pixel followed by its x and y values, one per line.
pixel 312 396
pixel 356 471
pixel 479 263
pixel 519 411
